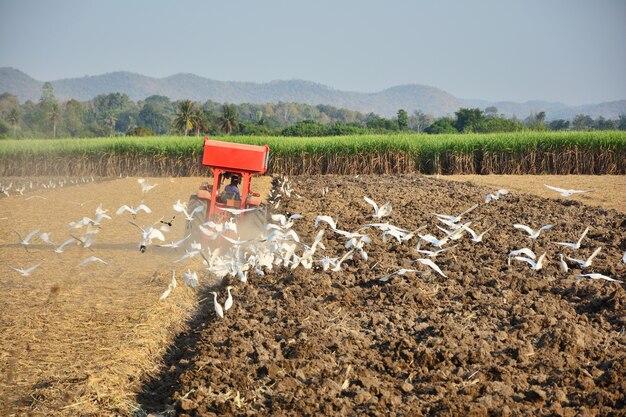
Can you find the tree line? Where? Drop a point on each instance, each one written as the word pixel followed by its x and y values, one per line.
pixel 115 114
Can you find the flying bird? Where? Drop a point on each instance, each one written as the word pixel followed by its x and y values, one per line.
pixel 534 265
pixel 190 278
pixel 133 210
pixel 598 276
pixel 25 241
pixel 327 219
pixel 401 271
pixel 575 245
pixel 455 219
pixel 26 272
pixel 379 212
pixel 524 251
pixel 587 262
pixel 533 234
pixel 92 259
pixel 145 187
pixel 236 212
pixel 181 207
pixel 430 264
pixel 492 197
pixel 567 193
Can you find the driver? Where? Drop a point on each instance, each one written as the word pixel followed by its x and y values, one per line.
pixel 233 187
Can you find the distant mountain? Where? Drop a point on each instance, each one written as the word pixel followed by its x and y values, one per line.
pixel 386 103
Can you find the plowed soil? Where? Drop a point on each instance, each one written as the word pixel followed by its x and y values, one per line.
pixel 487 339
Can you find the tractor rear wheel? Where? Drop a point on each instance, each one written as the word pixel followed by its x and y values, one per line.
pixel 191 227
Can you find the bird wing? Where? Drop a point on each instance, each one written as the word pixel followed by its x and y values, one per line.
pixel 594 254
pixel 30 235
pixel 558 190
pixel 144 208
pixel 433 265
pixel 546 227
pixel 21 271
pixel 156 234
pixel 326 219
pixel 524 228
pixel 32 268
pixel 468 210
pixel 530 261
pixel 372 203
pixel 582 237
pixel 123 209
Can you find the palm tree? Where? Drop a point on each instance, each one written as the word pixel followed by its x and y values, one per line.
pixel 229 120
pixel 184 116
pixel 55 115
pixel 200 121
pixel 14 119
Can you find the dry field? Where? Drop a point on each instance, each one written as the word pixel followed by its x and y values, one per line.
pixel 609 190
pixel 489 339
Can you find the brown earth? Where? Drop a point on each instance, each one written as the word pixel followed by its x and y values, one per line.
pixel 609 191
pixel 490 339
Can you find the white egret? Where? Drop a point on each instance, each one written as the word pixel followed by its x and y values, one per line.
pixel 182 208
pixel 533 234
pixel 133 210
pixel 598 276
pixel 456 219
pixel 430 264
pixel 229 301
pixel 401 271
pixel 61 247
pixel 27 271
pixel 524 251
pixel 563 264
pixel 218 308
pixel 91 259
pixel 476 237
pixel 145 187
pixel 575 245
pixel 587 262
pixel 331 222
pixel 491 197
pixel 567 193
pixel 190 278
pixel 175 245
pixel 379 212
pixel 236 212
pixel 534 265
pixel 25 241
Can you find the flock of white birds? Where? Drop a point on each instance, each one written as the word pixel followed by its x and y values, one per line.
pixel 278 245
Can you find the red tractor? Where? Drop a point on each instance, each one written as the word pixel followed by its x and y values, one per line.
pixel 234 161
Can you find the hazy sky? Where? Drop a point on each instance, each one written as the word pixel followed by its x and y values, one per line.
pixel 573 51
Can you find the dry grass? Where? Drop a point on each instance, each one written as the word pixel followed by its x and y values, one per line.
pixel 78 340
pixel 609 190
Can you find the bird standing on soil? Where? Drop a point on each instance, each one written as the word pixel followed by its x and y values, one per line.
pixel 564 266
pixel 567 193
pixel 218 308
pixel 229 301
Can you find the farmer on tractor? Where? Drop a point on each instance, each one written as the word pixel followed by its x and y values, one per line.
pixel 237 162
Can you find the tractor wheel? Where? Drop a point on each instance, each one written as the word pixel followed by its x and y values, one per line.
pixel 191 227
